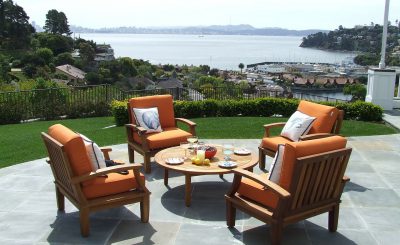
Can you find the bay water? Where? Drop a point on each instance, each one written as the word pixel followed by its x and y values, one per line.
pixel 217 51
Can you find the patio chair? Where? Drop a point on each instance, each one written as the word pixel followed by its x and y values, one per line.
pixel 91 190
pixel 311 183
pixel 328 122
pixel 149 143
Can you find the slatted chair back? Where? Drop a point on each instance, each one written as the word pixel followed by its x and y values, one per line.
pixel 318 181
pixel 338 123
pixel 61 168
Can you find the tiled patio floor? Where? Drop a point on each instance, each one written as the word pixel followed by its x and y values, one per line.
pixel 370 211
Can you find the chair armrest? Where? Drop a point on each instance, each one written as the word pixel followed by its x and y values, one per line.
pixel 136 128
pixel 316 136
pixel 267 127
pixel 266 183
pixel 191 124
pixel 106 152
pixel 345 179
pixel 103 171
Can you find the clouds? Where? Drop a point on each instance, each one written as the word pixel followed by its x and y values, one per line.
pixel 292 14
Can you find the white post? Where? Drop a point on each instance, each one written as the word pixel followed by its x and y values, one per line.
pixel 384 36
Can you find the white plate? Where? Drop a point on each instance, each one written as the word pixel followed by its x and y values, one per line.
pixel 227 164
pixel 242 151
pixel 174 160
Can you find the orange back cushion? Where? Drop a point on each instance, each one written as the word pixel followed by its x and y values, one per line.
pixel 165 106
pixel 74 147
pixel 325 116
pixel 295 150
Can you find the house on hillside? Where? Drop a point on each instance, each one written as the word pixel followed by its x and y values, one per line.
pixel 171 82
pixel 104 52
pixel 75 75
pixel 136 83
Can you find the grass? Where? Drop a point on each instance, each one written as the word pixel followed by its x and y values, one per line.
pixel 22 142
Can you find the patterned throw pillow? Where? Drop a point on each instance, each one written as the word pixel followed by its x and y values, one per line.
pixel 148 118
pixel 298 125
pixel 95 155
pixel 276 166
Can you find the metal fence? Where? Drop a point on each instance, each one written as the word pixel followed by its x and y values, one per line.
pixel 94 100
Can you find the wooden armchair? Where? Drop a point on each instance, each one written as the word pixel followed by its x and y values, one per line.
pixel 91 190
pixel 311 182
pixel 328 122
pixel 148 144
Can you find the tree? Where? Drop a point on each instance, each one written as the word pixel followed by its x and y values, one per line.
pixel 15 30
pixel 86 52
pixel 4 69
pixel 358 91
pixel 45 54
pixel 241 66
pixel 63 59
pixel 57 43
pixel 56 23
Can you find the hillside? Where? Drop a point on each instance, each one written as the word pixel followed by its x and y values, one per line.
pixel 359 38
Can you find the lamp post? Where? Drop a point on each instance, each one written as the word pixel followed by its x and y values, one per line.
pixel 384 36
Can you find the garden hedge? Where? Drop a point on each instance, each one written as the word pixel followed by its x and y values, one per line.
pixel 263 107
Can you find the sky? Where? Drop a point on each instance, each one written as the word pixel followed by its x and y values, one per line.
pixel 290 14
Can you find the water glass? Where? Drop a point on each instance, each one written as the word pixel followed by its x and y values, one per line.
pixel 185 146
pixel 228 150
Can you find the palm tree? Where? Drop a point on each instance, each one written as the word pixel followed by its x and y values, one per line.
pixel 241 66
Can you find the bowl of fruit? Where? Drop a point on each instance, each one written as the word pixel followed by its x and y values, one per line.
pixel 209 150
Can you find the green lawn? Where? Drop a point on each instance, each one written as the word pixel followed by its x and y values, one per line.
pixel 22 142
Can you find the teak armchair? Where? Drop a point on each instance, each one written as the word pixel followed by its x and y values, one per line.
pixel 91 191
pixel 148 144
pixel 311 182
pixel 328 122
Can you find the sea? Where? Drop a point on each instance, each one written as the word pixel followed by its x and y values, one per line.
pixel 218 51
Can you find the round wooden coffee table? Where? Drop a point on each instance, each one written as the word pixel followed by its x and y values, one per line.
pixel 189 169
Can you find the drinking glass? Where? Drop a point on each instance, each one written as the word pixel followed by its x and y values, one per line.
pixel 228 150
pixel 185 147
pixel 192 140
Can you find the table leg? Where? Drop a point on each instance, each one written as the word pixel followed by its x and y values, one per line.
pixel 165 176
pixel 188 190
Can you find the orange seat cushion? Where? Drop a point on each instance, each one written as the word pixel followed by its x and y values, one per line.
pixel 114 183
pixel 167 138
pixel 295 150
pixel 164 104
pixel 272 143
pixel 325 116
pixel 256 192
pixel 74 148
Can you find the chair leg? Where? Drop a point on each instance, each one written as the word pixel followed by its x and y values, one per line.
pixel 60 200
pixel 131 154
pixel 145 209
pixel 333 218
pixel 261 159
pixel 276 234
pixel 230 214
pixel 84 219
pixel 147 164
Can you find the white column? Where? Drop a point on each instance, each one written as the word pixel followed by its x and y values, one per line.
pixel 380 89
pixel 384 36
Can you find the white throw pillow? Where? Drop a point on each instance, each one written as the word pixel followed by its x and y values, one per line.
pixel 148 118
pixel 276 166
pixel 95 154
pixel 298 125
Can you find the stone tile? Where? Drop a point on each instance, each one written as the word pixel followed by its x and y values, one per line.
pixel 207 234
pixel 261 235
pixel 342 237
pixel 381 219
pixel 10 200
pixel 375 198
pixel 348 219
pixel 23 183
pixel 368 180
pixel 25 226
pixel 386 237
pixel 206 212
pixel 387 166
pixel 66 229
pixel 392 179
pixel 134 232
pixel 358 167
pixel 161 210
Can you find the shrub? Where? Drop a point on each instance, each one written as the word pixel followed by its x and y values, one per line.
pixel 265 107
pixel 120 112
